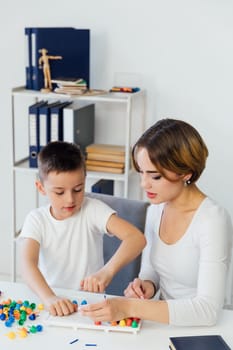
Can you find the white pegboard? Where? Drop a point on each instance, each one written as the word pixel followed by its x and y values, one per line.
pixel 78 321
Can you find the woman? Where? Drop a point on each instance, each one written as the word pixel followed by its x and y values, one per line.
pixel 188 235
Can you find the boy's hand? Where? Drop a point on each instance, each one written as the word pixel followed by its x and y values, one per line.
pixel 97 282
pixel 59 306
pixel 140 289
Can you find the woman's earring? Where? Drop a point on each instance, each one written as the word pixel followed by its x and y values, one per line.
pixel 188 182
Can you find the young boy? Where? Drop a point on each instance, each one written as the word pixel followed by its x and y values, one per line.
pixel 62 243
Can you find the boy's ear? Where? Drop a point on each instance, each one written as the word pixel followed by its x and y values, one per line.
pixel 40 187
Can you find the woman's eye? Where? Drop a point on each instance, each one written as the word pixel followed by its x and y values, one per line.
pixel 157 177
pixel 78 190
pixel 59 193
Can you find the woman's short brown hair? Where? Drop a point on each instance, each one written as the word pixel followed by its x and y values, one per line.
pixel 173 145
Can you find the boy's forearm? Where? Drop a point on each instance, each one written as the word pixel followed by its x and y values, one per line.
pixel 128 250
pixel 37 282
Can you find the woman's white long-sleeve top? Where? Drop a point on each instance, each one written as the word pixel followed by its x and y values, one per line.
pixel 191 274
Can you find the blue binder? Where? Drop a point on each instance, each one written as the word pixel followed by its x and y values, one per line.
pixel 103 186
pixel 56 121
pixel 70 43
pixel 28 58
pixel 33 116
pixel 44 123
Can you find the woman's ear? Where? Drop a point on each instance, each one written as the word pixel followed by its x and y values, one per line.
pixel 40 187
pixel 187 177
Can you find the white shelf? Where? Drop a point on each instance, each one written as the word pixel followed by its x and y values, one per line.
pixel 23 167
pixel 111 97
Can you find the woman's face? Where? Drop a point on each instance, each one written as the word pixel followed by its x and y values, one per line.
pixel 158 188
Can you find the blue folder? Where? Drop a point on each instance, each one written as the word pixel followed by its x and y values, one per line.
pixel 45 123
pixel 33 116
pixel 56 121
pixel 103 186
pixel 28 57
pixel 70 43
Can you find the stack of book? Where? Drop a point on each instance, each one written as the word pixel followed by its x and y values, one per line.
pixel 70 86
pixel 105 158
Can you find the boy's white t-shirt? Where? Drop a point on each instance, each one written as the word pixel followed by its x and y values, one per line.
pixel 70 249
pixel 190 273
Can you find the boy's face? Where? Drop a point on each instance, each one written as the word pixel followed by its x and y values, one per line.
pixel 65 191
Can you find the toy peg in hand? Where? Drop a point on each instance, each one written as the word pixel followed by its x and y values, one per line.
pixel 44 62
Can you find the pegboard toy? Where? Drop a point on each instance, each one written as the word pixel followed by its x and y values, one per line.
pixel 16 313
pixel 12 311
pixel 78 321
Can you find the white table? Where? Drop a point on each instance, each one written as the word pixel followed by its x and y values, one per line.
pixel 152 336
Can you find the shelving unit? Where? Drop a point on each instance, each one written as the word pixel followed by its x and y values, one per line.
pixel 133 106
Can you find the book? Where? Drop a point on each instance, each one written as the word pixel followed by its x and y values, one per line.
pixel 106 157
pixel 198 342
pixel 70 43
pixel 79 123
pixel 79 91
pixel 105 148
pixel 105 163
pixel 69 82
pixel 103 186
pixel 34 148
pixel 105 169
pixel 71 90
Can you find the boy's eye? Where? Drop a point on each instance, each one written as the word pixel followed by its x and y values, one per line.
pixel 59 193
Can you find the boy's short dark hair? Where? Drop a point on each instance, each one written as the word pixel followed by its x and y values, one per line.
pixel 60 156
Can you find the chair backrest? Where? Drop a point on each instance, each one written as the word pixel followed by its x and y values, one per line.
pixel 133 211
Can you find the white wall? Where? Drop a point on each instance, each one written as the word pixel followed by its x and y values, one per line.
pixel 183 51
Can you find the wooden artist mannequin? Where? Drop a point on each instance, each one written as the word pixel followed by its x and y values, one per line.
pixel 44 61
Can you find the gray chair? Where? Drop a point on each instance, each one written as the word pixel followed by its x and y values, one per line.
pixel 133 211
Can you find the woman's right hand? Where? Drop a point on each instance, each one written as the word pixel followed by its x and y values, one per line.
pixel 140 289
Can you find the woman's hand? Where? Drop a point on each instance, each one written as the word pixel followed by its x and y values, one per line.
pixel 113 309
pixel 140 289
